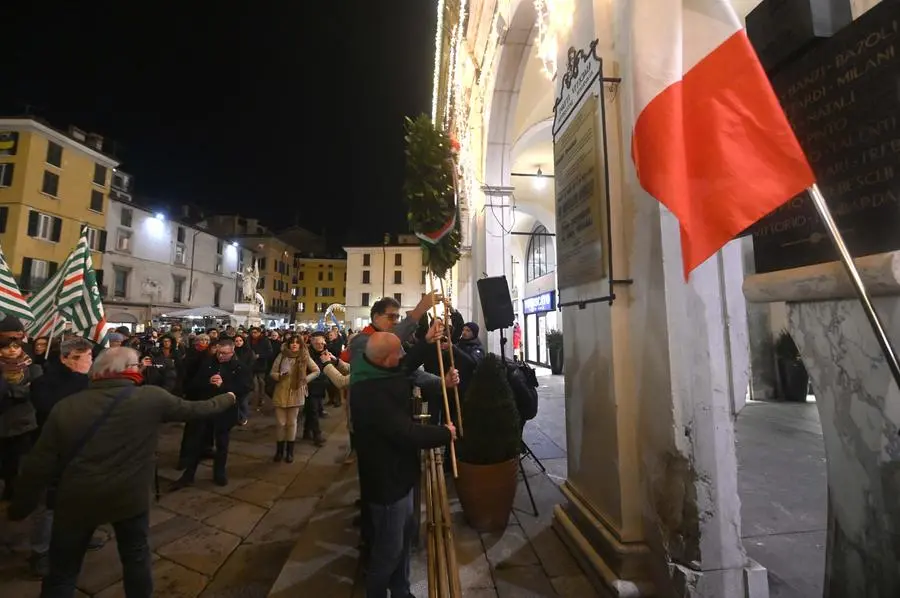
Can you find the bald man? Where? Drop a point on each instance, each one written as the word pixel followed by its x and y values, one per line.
pixel 388 444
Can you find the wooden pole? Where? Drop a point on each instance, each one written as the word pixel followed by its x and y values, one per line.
pixel 440 355
pixel 452 567
pixel 441 552
pixel 431 538
pixel 447 323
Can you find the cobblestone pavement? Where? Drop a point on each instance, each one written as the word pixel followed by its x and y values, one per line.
pixel 209 541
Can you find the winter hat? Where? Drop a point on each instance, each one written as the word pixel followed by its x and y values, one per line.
pixel 115 337
pixel 473 327
pixel 11 324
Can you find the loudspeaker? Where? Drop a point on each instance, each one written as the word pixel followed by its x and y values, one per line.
pixel 496 304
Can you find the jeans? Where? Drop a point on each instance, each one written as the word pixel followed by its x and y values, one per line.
pixel 243 405
pixel 67 548
pixel 392 528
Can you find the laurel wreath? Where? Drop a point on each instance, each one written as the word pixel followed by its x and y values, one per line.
pixel 431 192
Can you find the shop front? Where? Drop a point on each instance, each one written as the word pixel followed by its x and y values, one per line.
pixel 540 317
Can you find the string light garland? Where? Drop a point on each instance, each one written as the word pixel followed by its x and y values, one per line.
pixel 438 47
pixel 554 21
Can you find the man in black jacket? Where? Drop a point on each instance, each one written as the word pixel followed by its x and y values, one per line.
pixel 388 442
pixel 223 374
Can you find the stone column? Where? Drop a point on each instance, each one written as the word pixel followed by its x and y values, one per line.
pixel 859 406
pixel 652 503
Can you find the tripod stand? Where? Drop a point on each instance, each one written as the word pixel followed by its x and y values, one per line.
pixel 525 451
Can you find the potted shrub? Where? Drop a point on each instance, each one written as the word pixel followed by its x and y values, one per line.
pixel 488 453
pixel 792 376
pixel 555 349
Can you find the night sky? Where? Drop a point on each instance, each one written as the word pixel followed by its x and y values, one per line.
pixel 276 109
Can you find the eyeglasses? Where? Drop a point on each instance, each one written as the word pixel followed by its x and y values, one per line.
pixel 392 316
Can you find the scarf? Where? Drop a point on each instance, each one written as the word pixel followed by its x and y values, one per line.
pixel 135 377
pixel 298 369
pixel 13 370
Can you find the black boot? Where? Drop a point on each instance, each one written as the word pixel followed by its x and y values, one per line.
pixel 279 451
pixel 318 439
pixel 289 457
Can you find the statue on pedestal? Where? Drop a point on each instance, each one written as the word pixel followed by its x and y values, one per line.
pixel 250 278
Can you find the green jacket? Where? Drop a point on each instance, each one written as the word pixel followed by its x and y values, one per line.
pixel 111 478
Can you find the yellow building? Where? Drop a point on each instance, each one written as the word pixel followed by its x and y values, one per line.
pixel 320 281
pixel 51 184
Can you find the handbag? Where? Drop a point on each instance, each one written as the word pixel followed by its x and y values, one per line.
pixel 79 445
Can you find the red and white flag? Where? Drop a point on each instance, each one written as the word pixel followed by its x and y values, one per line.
pixel 711 141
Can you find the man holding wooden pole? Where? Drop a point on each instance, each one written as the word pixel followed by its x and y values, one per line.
pixel 388 443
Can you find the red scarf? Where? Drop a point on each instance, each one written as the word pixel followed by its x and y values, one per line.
pixel 135 377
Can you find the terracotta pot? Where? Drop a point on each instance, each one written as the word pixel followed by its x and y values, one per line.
pixel 486 493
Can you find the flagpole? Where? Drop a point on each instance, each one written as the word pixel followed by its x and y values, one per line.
pixel 52 330
pixel 847 260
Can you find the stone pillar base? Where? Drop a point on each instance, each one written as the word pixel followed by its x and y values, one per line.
pixel 611 565
pixel 623 569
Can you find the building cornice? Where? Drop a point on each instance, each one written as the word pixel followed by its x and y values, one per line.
pixel 33 126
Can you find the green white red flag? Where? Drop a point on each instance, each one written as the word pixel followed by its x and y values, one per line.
pixel 70 295
pixel 711 141
pixel 12 302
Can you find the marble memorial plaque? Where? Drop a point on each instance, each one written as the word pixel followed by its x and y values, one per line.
pixel 842 99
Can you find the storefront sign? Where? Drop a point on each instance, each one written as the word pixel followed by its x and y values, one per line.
pixel 580 196
pixel 540 303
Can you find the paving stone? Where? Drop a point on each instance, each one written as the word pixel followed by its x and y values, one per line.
pixel 100 569
pixel 280 474
pixel 171 530
pixel 159 515
pixel 233 484
pixel 195 502
pixel 259 493
pixel 324 560
pixel 239 519
pixel 249 572
pixel 574 586
pixel 314 481
pixel 203 550
pixel 523 582
pixel 170 580
pixel 284 521
pixel 251 449
pixel 20 588
pixel 474 568
pixel 509 548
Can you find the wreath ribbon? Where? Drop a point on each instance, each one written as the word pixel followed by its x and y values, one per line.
pixel 434 237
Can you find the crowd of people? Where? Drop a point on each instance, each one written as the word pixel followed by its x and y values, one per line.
pixel 79 424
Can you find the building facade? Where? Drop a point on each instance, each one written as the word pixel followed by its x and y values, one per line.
pixel 155 265
pixel 274 257
pixel 376 271
pixel 318 283
pixel 51 184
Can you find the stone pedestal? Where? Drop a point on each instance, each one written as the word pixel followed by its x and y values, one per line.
pixel 859 406
pixel 247 314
